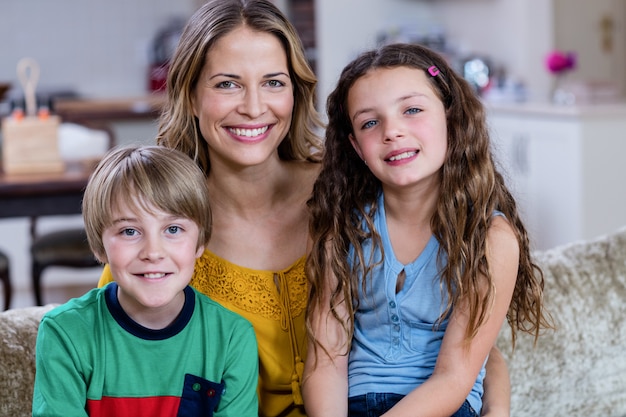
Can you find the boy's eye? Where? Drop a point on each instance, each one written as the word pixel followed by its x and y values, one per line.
pixel 129 232
pixel 173 229
pixel 413 110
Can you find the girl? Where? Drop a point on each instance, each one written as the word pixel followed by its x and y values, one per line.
pixel 437 255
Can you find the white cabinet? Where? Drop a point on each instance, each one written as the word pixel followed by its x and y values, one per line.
pixel 565 166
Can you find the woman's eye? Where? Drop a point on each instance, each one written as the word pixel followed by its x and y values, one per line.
pixel 275 83
pixel 226 84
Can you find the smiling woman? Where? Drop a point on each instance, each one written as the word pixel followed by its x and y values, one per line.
pixel 238 104
pixel 241 103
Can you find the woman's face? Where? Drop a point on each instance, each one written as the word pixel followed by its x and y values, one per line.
pixel 244 98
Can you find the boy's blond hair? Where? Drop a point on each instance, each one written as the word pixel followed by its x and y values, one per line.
pixel 145 178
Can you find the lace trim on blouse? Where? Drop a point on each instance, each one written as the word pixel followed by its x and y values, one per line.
pixel 253 290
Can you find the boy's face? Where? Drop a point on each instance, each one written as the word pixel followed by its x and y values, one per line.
pixel 152 257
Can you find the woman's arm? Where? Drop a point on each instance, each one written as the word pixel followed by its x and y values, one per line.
pixel 325 382
pixel 458 362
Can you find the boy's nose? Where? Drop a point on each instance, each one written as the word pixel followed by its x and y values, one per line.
pixel 152 249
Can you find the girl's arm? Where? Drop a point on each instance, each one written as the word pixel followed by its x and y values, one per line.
pixel 497 395
pixel 459 363
pixel 325 382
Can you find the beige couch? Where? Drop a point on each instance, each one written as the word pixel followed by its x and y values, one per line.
pixel 577 370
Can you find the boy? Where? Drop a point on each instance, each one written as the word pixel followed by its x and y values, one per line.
pixel 147 344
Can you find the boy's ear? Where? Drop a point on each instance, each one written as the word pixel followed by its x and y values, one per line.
pixel 102 258
pixel 200 251
pixel 355 145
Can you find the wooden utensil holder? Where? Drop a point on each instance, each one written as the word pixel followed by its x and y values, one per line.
pixel 30 145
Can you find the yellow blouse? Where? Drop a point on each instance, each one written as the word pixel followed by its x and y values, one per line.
pixel 274 302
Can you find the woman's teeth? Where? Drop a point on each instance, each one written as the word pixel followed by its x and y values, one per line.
pixel 249 133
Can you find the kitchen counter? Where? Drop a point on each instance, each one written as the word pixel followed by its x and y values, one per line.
pixel 587 110
pixel 98 110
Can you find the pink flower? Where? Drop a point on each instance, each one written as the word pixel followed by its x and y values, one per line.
pixel 558 62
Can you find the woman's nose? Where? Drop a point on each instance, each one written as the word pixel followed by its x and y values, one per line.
pixel 253 103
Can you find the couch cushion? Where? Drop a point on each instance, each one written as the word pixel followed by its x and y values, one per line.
pixel 18 333
pixel 579 369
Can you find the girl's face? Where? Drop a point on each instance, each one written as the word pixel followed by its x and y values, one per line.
pixel 244 98
pixel 399 126
pixel 152 257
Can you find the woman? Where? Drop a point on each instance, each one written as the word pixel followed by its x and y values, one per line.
pixel 241 103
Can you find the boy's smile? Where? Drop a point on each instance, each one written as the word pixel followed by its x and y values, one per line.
pixel 152 256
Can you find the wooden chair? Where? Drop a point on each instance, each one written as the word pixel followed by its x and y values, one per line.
pixel 61 248
pixel 5 278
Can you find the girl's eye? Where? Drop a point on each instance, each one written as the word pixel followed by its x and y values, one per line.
pixel 413 110
pixel 173 229
pixel 275 83
pixel 226 84
pixel 369 124
pixel 129 232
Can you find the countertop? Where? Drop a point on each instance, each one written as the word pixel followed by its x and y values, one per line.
pixel 130 108
pixel 586 110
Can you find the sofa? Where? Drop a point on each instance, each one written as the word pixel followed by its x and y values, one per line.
pixel 578 370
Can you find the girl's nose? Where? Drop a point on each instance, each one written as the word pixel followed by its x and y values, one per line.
pixel 393 131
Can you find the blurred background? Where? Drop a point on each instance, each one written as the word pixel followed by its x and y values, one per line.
pixel 112 52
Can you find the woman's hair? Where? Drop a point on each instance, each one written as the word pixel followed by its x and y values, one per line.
pixel 345 197
pixel 179 127
pixel 145 178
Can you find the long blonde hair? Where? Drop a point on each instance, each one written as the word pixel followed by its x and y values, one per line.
pixel 178 126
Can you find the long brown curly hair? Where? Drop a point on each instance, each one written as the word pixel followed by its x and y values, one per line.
pixel 345 198
pixel 178 127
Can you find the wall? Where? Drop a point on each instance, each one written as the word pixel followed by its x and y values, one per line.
pixel 347 27
pixel 514 33
pixel 98 47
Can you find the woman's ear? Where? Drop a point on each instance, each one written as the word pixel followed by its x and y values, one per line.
pixel 194 103
pixel 355 145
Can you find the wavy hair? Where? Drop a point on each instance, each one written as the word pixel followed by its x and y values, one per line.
pixel 178 127
pixel 471 190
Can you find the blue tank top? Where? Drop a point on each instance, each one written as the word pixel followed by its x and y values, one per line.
pixel 396 342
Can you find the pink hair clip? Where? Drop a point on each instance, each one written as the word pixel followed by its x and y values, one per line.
pixel 434 71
